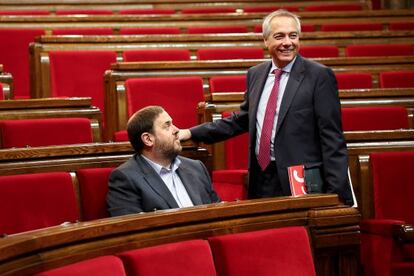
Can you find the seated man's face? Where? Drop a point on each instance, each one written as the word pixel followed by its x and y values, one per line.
pixel 166 136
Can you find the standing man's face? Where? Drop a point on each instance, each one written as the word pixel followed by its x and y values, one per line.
pixel 283 40
pixel 166 136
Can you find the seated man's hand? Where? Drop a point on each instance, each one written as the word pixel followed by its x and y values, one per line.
pixel 184 134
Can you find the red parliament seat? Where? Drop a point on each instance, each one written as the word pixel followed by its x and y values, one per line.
pixel 157 55
pixel 102 266
pixel 33 201
pixel 230 183
pixel 93 187
pixel 401 26
pixel 83 31
pixel 84 11
pixel 45 132
pixel 80 74
pixel 379 50
pixel 147 11
pixel 216 29
pixel 314 51
pixel 397 79
pixel 1 92
pixel 229 53
pixel 179 96
pixel 147 31
pixel 339 7
pixel 381 253
pixel 227 84
pixel 351 27
pixel 192 257
pixel 283 251
pixel 354 80
pixel 14 55
pixel 269 9
pixel 374 118
pixel 208 10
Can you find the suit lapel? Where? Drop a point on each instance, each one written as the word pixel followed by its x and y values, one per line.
pixel 295 78
pixel 187 177
pixel 155 182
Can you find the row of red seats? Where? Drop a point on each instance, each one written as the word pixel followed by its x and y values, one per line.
pixel 16 63
pixel 202 10
pixel 283 251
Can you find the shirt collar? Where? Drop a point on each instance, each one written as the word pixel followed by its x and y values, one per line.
pixel 158 168
pixel 286 69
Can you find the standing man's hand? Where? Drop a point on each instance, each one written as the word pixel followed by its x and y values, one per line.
pixel 184 134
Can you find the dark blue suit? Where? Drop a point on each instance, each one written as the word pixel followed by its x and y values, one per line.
pixel 136 187
pixel 309 129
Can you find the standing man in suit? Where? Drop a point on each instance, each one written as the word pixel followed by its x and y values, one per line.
pixel 305 123
pixel 156 177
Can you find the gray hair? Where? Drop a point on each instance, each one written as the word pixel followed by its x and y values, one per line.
pixel 279 13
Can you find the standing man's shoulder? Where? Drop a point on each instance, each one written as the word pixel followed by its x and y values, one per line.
pixel 260 67
pixel 311 64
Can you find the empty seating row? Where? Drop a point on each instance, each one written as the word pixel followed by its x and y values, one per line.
pixel 258 252
pixel 156 7
pixel 71 243
pixel 174 78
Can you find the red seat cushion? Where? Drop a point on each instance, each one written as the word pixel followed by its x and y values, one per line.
pixel 354 80
pixel 319 51
pixel 228 84
pixel 93 187
pixel 102 266
pixel 379 50
pixel 351 27
pixel 374 118
pixel 216 29
pixel 121 136
pixel 83 31
pixel 86 11
pixel 230 185
pixel 80 74
pixel 208 10
pixel 32 201
pixel 143 31
pixel 339 7
pixel 14 55
pixel 156 55
pixel 2 97
pixel 45 132
pixel 397 79
pixel 178 95
pixel 392 180
pixel 230 53
pixel 269 9
pixel 190 258
pixel 401 26
pixel 147 11
pixel 283 251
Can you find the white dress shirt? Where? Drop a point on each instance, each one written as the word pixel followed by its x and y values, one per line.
pixel 172 181
pixel 263 103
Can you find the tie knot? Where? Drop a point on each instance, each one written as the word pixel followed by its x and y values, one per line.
pixel 278 73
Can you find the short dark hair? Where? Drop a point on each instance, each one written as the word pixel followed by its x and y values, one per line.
pixel 140 122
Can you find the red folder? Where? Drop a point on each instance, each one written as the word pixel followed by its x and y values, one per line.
pixel 297 180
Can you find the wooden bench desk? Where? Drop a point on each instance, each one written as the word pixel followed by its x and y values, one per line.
pixel 333 230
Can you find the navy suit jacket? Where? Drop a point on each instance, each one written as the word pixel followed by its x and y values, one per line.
pixel 308 131
pixel 136 187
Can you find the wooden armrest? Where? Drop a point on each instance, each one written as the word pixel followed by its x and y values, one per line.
pixel 404 233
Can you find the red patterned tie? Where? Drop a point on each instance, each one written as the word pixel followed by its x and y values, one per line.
pixel 266 136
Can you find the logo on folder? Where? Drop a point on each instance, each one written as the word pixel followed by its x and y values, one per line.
pixel 297 180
